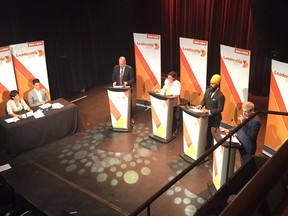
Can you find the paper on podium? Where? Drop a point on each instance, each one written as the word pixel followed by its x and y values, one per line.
pixel 196 110
pixel 5 167
pixel 234 138
pixel 38 114
pixel 117 86
pixel 13 119
pixel 57 105
pixel 29 114
pixel 45 106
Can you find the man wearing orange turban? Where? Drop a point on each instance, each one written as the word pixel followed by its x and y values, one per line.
pixel 213 102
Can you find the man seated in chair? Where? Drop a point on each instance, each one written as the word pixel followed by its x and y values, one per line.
pixel 247 135
pixel 37 96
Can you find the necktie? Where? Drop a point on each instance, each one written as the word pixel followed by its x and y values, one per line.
pixel 121 76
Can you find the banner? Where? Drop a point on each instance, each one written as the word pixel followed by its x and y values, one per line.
pixel 235 69
pixel 7 77
pixel 148 65
pixel 120 102
pixel 277 126
pixel 29 63
pixel 193 69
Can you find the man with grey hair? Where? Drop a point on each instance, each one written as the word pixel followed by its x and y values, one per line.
pixel 123 75
pixel 247 135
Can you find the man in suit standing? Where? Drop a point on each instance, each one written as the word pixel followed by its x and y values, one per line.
pixel 37 96
pixel 123 74
pixel 213 102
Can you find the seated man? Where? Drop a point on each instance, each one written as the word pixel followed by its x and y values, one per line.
pixel 247 135
pixel 37 96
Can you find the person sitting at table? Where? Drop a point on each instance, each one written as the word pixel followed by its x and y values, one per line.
pixel 16 104
pixel 37 96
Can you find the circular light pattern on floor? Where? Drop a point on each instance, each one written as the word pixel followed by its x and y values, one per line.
pixel 146 171
pixel 114 167
pixel 102 177
pixel 114 182
pixel 177 200
pixel 190 210
pixel 131 177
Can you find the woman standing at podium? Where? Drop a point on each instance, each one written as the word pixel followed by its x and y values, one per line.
pixel 173 87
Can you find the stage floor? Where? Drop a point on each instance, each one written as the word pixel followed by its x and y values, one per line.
pixel 101 172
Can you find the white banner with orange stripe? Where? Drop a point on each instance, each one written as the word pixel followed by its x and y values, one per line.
pixel 120 102
pixel 193 69
pixel 160 117
pixel 277 126
pixel 7 77
pixel 29 63
pixel 235 69
pixel 194 135
pixel 148 64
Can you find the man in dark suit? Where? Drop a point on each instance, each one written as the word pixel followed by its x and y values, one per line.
pixel 123 74
pixel 247 135
pixel 213 102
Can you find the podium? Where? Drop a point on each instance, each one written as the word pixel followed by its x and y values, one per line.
pixel 194 133
pixel 162 116
pixel 221 157
pixel 120 108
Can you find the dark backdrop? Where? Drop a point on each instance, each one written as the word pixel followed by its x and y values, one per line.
pixel 83 39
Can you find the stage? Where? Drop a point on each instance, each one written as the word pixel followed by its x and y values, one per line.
pixel 101 172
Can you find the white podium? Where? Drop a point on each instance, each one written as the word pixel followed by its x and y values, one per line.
pixel 162 116
pixel 221 157
pixel 194 133
pixel 120 108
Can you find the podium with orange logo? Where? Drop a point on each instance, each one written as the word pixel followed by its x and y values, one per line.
pixel 120 108
pixel 223 161
pixel 162 116
pixel 194 133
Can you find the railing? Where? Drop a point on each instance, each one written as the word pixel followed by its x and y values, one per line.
pixel 149 201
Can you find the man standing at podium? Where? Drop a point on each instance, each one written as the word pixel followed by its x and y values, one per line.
pixel 213 102
pixel 123 75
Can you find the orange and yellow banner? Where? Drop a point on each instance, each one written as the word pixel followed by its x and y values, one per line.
pixel 277 126
pixel 193 69
pixel 7 77
pixel 29 63
pixel 235 69
pixel 148 64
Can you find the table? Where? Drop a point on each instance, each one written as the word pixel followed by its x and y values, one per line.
pixel 29 133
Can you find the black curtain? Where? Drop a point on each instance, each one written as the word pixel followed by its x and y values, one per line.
pixel 84 39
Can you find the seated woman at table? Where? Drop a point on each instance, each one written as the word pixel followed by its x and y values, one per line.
pixel 16 104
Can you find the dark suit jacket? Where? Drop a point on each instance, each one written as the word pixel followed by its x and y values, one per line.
pixel 215 105
pixel 247 135
pixel 128 76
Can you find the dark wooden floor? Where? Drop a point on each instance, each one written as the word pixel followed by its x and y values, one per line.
pixel 101 172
